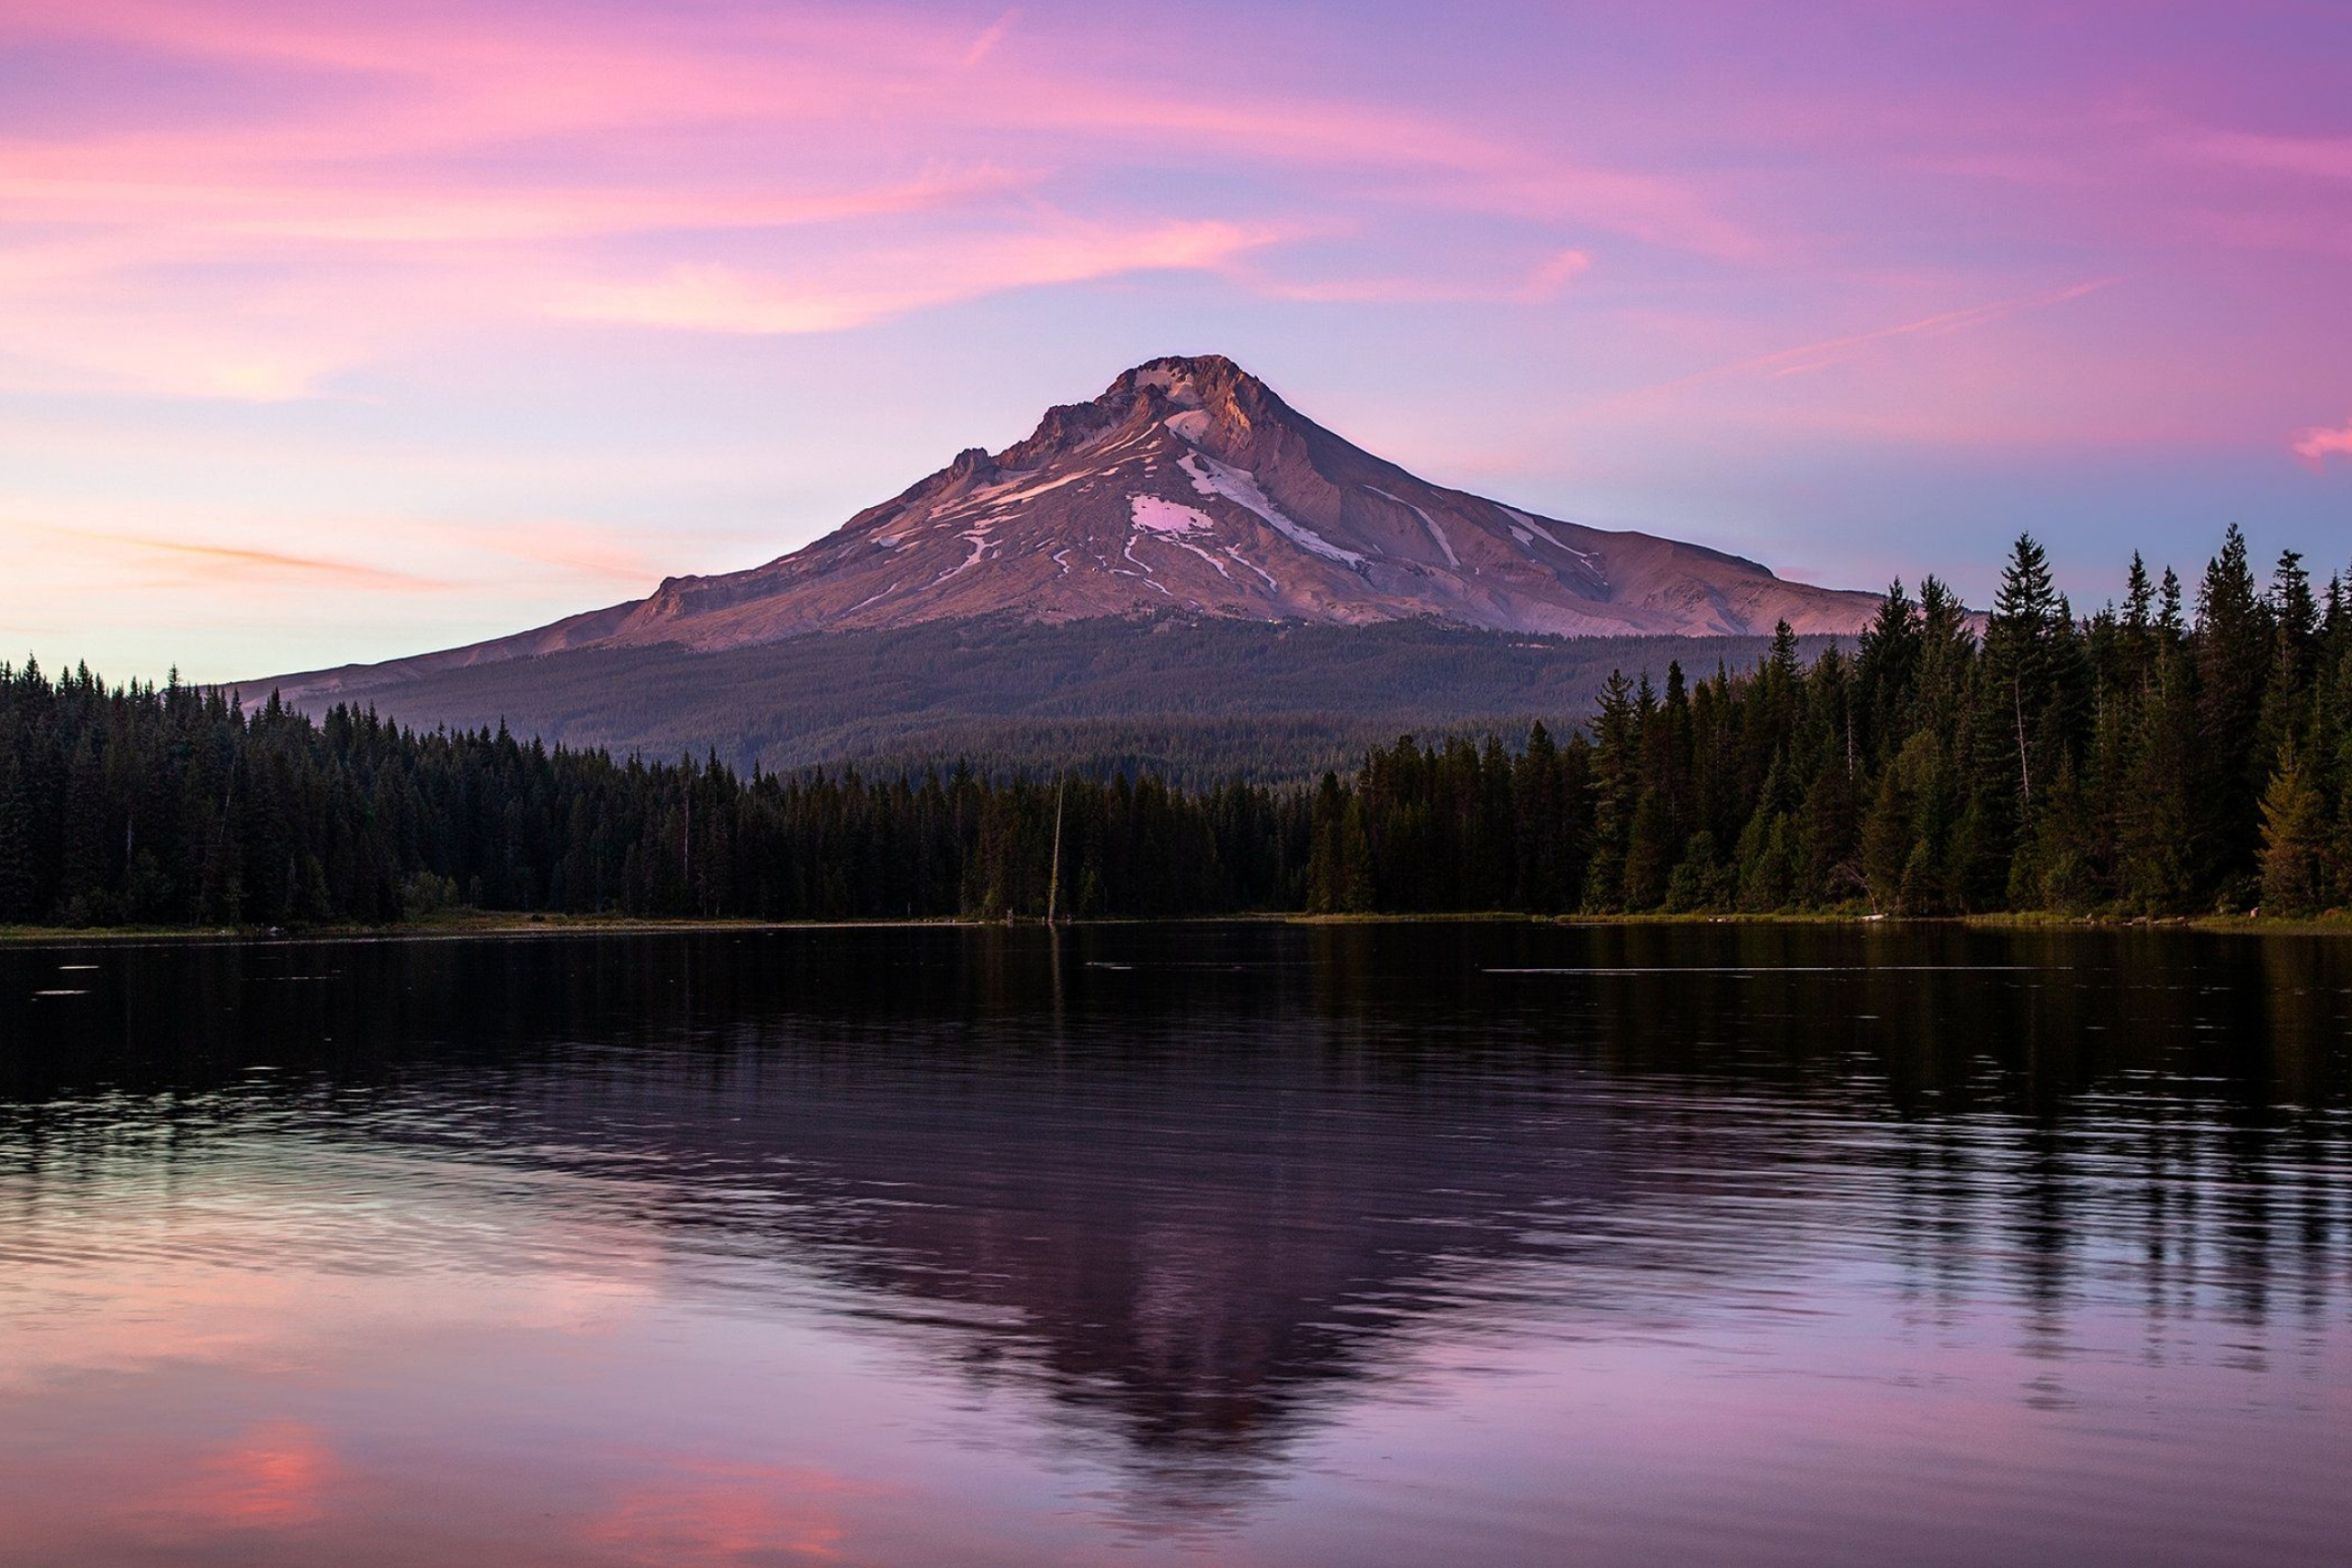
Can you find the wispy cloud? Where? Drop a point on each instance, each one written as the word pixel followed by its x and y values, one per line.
pixel 247 563
pixel 2313 157
pixel 991 36
pixel 1553 275
pixel 876 288
pixel 423 210
pixel 2320 443
pixel 1540 285
pixel 575 548
pixel 1810 356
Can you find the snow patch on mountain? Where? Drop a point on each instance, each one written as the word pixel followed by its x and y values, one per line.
pixel 1238 558
pixel 997 502
pixel 1522 520
pixel 1211 477
pixel 1157 515
pixel 1187 544
pixel 979 539
pixel 870 598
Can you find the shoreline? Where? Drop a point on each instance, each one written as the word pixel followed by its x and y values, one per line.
pixel 485 925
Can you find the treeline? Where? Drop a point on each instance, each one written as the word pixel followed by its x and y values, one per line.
pixel 2177 753
pixel 173 805
pixel 2164 756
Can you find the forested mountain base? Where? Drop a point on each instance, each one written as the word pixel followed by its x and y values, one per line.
pixel 1196 701
pixel 2138 761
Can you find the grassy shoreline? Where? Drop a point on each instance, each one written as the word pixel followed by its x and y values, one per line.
pixel 482 924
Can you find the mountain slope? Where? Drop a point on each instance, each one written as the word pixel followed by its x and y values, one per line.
pixel 1192 699
pixel 1187 487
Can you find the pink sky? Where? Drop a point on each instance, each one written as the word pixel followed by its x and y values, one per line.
pixel 337 330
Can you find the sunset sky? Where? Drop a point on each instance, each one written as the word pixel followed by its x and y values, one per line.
pixel 335 331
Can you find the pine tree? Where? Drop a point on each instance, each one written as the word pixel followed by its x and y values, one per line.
pixel 2020 665
pixel 2296 648
pixel 1616 778
pixel 1907 833
pixel 1539 811
pixel 1887 673
pixel 2170 624
pixel 2014 686
pixel 1357 890
pixel 2139 598
pixel 2234 653
pixel 2297 875
pixel 1327 867
pixel 2158 849
pixel 1651 850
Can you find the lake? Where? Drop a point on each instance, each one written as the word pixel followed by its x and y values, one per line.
pixel 1242 1244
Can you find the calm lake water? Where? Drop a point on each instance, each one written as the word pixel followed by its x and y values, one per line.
pixel 1249 1244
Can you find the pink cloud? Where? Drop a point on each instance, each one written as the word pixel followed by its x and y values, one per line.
pixel 993 35
pixel 424 211
pixel 569 546
pixel 2319 445
pixel 1553 275
pixel 2314 157
pixel 684 142
pixel 250 564
pixel 871 287
pixel 1541 284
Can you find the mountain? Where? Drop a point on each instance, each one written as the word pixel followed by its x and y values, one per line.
pixel 1187 487
pixel 1184 575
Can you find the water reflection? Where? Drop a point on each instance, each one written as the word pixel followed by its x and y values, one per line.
pixel 1349 1245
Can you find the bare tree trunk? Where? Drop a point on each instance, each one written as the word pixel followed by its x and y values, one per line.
pixel 1054 877
pixel 2025 777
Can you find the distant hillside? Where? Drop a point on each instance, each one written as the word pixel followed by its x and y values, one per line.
pixel 1193 700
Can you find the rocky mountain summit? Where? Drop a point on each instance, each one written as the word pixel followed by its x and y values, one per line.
pixel 1190 487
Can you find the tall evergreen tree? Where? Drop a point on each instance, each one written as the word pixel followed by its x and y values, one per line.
pixel 2234 653
pixel 2297 875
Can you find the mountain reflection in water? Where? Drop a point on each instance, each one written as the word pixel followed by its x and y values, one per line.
pixel 1389 1244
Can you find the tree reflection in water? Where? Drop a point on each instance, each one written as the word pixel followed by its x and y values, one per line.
pixel 1206 1194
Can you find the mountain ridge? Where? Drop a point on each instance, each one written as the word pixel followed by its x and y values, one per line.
pixel 1190 487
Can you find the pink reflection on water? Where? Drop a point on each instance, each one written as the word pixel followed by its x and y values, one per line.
pixel 706 1511
pixel 272 1477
